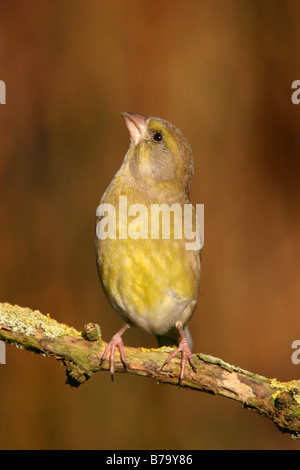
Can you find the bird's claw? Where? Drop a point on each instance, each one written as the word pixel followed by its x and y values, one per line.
pixel 185 354
pixel 115 342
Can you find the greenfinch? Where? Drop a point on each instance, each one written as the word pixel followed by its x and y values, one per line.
pixel 148 275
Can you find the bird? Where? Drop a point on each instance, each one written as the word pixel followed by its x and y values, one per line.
pixel 149 277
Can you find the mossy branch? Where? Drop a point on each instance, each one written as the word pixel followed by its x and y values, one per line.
pixel 80 352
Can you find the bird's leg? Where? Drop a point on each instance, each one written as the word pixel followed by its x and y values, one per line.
pixel 184 348
pixel 116 341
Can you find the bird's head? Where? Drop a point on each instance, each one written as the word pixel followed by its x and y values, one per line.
pixel 159 153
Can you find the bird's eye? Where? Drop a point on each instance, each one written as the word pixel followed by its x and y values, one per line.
pixel 157 137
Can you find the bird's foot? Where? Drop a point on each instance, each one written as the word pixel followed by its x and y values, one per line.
pixel 185 354
pixel 115 342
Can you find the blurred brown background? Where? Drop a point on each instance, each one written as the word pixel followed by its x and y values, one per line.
pixel 221 70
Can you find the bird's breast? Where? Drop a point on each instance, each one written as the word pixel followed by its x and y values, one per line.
pixel 149 282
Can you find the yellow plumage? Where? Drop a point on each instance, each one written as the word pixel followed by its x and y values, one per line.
pixel 153 283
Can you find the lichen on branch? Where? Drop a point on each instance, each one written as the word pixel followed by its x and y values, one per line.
pixel 80 353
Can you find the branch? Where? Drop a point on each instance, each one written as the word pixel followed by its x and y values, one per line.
pixel 80 352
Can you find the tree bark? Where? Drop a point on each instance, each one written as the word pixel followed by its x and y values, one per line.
pixel 80 352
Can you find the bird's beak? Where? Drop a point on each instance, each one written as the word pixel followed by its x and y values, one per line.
pixel 136 125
